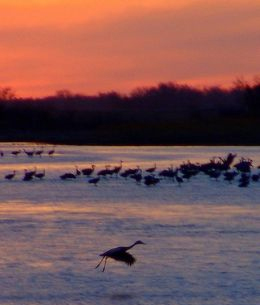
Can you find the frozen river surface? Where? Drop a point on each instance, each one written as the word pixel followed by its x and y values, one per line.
pixel 202 238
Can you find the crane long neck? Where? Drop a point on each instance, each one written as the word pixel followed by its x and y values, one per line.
pixel 130 247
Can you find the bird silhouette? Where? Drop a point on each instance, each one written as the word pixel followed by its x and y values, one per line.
pixel 51 152
pixel 230 175
pixel 40 175
pixel 244 180
pixel 151 180
pixel 10 176
pixel 137 177
pixel 16 152
pixel 78 172
pixel 39 152
pixel 88 171
pixel 117 169
pixel 105 172
pixel 28 175
pixel 120 254
pixel 68 176
pixel 168 173
pixel 255 177
pixel 29 153
pixel 151 169
pixel 130 171
pixel 94 181
pixel 178 178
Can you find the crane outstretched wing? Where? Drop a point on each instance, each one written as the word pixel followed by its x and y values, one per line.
pixel 124 257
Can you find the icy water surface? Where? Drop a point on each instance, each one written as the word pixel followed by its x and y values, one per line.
pixel 202 239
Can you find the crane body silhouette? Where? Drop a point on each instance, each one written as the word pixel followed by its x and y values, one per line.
pixel 40 175
pixel 94 181
pixel 119 254
pixel 88 171
pixel 16 152
pixel 10 176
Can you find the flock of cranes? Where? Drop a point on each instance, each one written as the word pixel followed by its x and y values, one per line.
pixel 38 151
pixel 216 168
pixel 224 168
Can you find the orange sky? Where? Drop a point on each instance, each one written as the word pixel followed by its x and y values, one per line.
pixel 91 46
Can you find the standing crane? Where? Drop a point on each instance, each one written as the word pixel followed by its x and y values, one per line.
pixel 151 169
pixel 40 175
pixel 16 152
pixel 39 152
pixel 10 176
pixel 88 171
pixel 51 151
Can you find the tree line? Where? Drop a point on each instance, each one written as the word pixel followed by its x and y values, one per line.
pixel 166 114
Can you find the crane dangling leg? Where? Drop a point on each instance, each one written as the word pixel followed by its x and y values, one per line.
pixel 105 264
pixel 99 262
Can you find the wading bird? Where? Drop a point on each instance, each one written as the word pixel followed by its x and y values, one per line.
pixel 78 172
pixel 28 175
pixel 16 152
pixel 68 176
pixel 117 169
pixel 152 169
pixel 40 175
pixel 88 171
pixel 10 176
pixel 119 254
pixel 39 152
pixel 94 181
pixel 51 152
pixel 29 153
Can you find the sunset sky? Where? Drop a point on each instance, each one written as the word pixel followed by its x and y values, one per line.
pixel 90 46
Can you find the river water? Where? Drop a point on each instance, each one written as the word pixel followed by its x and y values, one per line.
pixel 202 238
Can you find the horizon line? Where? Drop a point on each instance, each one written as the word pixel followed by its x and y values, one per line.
pixel 239 81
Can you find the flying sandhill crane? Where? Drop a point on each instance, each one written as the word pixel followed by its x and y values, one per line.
pixel 120 254
pixel 16 152
pixel 10 176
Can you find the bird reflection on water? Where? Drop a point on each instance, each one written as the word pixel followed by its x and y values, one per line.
pixel 121 296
